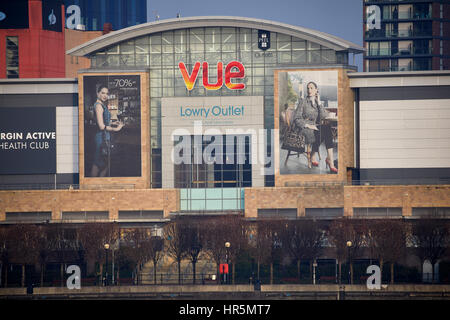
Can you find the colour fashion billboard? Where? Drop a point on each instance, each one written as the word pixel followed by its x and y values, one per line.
pixel 112 125
pixel 308 113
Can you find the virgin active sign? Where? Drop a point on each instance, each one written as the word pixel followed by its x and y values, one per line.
pixel 28 140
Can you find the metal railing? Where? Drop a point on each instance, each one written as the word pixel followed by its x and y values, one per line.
pixel 53 186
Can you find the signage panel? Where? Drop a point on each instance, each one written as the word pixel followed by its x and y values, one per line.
pixel 28 140
pixel 308 121
pixel 112 102
pixel 51 15
pixel 14 14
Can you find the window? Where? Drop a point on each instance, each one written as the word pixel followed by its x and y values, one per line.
pixel 28 216
pixel 140 214
pixel 377 212
pixel 290 213
pixel 12 57
pixel 227 166
pixel 324 212
pixel 85 215
pixel 431 212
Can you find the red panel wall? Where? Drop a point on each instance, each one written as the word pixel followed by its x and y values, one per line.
pixel 41 52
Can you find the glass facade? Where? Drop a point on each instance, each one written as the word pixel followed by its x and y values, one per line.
pixel 120 13
pixel 408 36
pixel 161 53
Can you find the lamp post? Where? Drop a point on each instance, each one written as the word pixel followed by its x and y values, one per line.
pixel 227 248
pixel 349 244
pixel 106 271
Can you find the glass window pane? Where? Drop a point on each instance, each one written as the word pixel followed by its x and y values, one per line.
pixel 328 56
pixel 284 57
pixel 196 35
pixel 155 39
pixel 155 59
pixel 127 60
pixel 167 37
pixel 155 48
pixel 167 48
pixel 167 59
pixel 113 60
pixel 298 45
pixel 314 56
pixel 213 205
pixel 142 60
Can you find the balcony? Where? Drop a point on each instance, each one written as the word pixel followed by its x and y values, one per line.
pixel 382 34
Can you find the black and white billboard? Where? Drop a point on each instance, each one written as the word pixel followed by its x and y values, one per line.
pixel 28 140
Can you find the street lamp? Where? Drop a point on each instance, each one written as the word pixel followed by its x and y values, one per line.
pixel 106 271
pixel 349 244
pixel 227 248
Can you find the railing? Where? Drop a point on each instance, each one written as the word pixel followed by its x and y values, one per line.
pixel 404 181
pixel 372 34
pixel 52 186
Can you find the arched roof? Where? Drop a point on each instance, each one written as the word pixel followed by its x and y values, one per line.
pixel 118 36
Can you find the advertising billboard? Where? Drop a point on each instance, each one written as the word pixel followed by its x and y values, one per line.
pixel 112 125
pixel 308 121
pixel 28 140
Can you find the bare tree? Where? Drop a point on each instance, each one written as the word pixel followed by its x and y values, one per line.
pixel 24 243
pixel 176 242
pixel 4 254
pixel 215 237
pixel 348 238
pixel 237 237
pixel 267 247
pixel 93 237
pixel 387 241
pixel 302 239
pixel 156 252
pixel 430 238
pixel 141 246
pixel 194 243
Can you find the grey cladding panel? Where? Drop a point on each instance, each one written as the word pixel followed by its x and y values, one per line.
pixel 39 100
pixel 404 93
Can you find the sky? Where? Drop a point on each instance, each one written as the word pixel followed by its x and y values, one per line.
pixel 342 18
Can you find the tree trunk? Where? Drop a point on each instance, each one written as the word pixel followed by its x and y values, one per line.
pixel 351 273
pixel 258 265
pixel 432 273
pixel 298 270
pixel 218 273
pixel 233 271
pixel 154 271
pixel 117 274
pixel 23 275
pixel 311 270
pixel 271 273
pixel 340 272
pixel 179 271
pixel 381 270
pixel 193 272
pixel 42 274
pixel 392 272
pixel 101 275
pixel 6 276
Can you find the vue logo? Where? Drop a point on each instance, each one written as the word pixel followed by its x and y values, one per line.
pixel 190 79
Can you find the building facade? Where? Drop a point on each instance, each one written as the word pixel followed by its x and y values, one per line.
pixel 406 35
pixel 92 15
pixel 32 39
pixel 197 114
